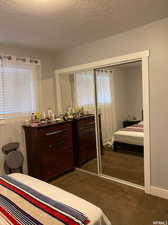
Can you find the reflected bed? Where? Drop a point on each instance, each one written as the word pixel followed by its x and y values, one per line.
pixel 132 135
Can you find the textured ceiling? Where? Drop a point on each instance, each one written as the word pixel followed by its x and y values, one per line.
pixel 61 24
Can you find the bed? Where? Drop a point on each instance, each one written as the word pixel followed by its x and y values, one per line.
pixel 25 200
pixel 132 135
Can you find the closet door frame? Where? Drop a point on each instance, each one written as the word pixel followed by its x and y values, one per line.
pixel 144 57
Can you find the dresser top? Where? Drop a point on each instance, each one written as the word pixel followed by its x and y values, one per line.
pixel 59 122
pixel 48 124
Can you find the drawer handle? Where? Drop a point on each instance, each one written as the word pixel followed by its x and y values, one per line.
pixel 54 132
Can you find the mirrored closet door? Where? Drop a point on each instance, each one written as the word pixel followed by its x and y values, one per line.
pixel 105 107
pixel 120 106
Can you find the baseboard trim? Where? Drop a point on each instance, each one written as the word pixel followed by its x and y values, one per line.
pixel 155 191
pixel 159 192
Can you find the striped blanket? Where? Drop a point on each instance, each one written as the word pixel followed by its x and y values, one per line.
pixel 22 205
pixel 135 127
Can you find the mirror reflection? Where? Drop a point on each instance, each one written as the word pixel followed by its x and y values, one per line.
pixel 119 97
pixel 77 98
pixel 115 93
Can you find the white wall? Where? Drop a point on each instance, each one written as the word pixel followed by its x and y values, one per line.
pixel 120 96
pixel 48 94
pixel 128 94
pixel 134 92
pixel 153 36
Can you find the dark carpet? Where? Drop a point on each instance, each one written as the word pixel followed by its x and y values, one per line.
pixel 122 204
pixel 125 165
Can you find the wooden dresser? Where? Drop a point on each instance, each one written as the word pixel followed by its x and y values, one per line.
pixel 49 150
pixel 84 139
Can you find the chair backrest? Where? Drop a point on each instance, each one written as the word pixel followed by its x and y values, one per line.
pixel 13 146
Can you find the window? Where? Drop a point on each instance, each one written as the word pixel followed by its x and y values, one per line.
pixel 17 90
pixel 84 85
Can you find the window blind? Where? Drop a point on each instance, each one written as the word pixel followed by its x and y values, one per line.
pixel 17 94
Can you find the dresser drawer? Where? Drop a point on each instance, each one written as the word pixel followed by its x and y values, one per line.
pixel 55 158
pixel 54 132
pixel 48 147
